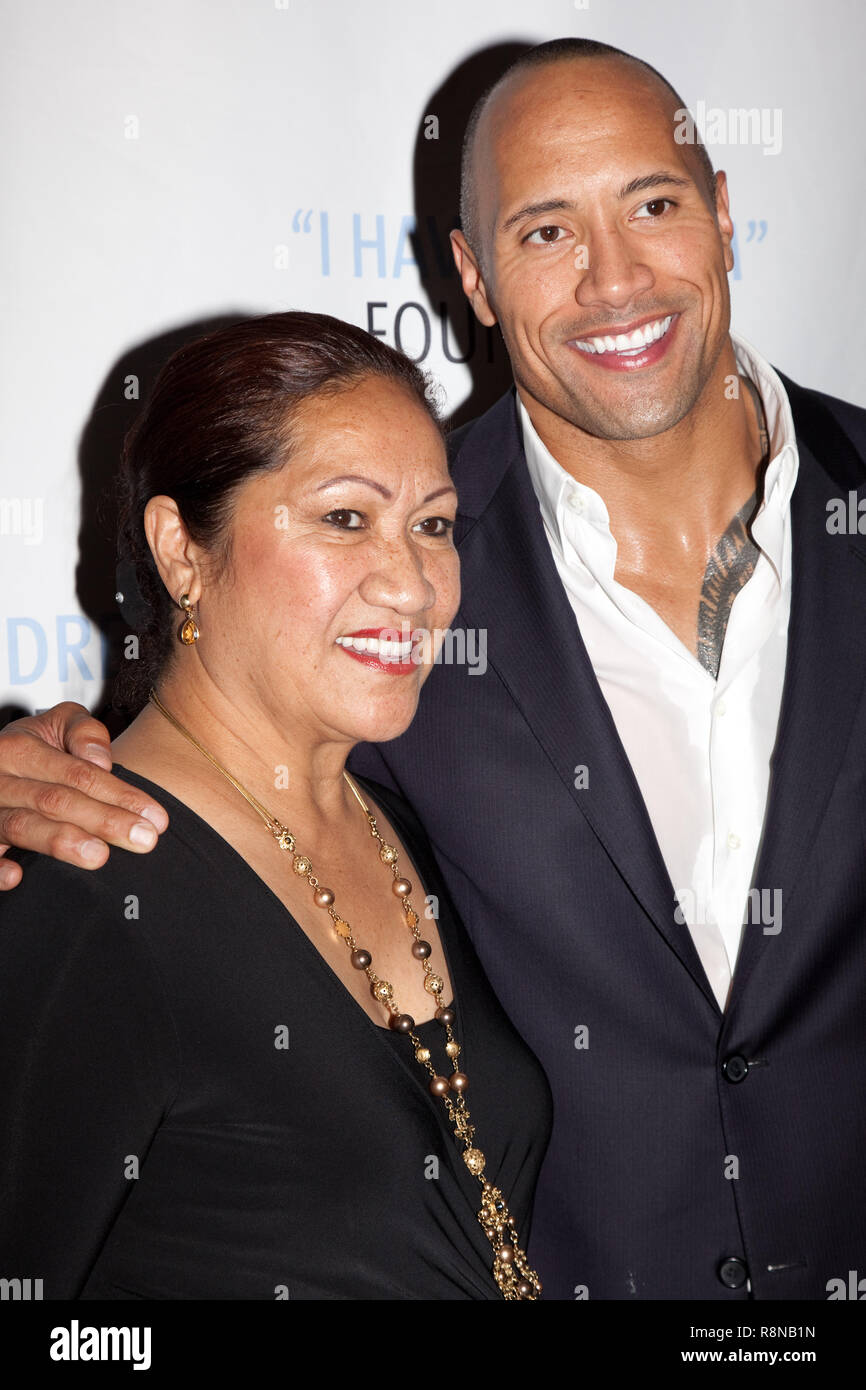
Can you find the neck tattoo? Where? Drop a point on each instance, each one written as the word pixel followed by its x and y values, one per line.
pixel 732 561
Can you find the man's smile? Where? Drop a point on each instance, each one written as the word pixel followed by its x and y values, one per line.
pixel 632 348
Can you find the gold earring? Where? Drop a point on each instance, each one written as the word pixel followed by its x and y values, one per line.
pixel 189 631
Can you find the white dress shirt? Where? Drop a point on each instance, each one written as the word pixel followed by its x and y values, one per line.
pixel 700 748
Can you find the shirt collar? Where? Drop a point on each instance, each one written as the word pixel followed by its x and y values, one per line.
pixel 560 495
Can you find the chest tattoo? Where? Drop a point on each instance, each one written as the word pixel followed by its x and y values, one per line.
pixel 730 565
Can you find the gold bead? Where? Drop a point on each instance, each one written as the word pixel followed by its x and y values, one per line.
pixel 411 917
pixel 422 1054
pixel 388 854
pixel 453 1049
pixel 474 1160
pixel 342 928
pixel 286 841
pixel 434 984
pixel 381 990
pixel 301 864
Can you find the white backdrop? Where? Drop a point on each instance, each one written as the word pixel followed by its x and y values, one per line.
pixel 168 163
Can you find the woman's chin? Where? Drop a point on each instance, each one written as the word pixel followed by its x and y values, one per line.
pixel 380 726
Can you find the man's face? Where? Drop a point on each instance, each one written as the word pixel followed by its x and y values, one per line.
pixel 594 223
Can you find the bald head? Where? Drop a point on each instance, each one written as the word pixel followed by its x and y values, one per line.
pixel 492 108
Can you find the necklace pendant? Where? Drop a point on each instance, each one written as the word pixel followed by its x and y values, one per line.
pixel 511 1268
pixel 283 837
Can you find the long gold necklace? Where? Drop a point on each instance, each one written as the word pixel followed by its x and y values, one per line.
pixel 510 1266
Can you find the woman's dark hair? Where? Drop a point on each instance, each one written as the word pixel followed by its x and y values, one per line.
pixel 220 412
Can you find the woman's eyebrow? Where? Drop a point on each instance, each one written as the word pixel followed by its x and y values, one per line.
pixel 385 492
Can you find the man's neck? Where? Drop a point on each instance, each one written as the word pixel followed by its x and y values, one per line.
pixel 679 503
pixel 677 490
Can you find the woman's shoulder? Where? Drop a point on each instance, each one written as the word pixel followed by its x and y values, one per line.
pixel 61 922
pixel 54 892
pixel 51 886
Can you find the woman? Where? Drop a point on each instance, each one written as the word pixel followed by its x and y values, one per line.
pixel 252 1064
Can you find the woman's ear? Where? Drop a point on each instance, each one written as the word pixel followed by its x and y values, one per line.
pixel 175 555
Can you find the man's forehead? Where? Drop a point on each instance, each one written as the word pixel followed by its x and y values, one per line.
pixel 537 119
pixel 538 103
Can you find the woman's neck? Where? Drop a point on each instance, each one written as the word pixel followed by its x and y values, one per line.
pixel 296 776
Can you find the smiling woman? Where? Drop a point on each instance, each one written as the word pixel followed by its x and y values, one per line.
pixel 237 1067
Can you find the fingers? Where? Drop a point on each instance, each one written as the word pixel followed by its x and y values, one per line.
pixel 82 734
pixel 67 726
pixel 10 873
pixel 62 840
pixel 71 809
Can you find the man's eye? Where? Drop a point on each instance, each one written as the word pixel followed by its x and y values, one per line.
pixel 443 524
pixel 339 517
pixel 656 208
pixel 544 236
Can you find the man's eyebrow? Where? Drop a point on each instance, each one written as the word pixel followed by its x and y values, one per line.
pixel 638 185
pixel 536 209
pixel 656 180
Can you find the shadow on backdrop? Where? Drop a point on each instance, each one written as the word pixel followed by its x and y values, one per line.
pixel 126 386
pixel 436 182
pixel 436 188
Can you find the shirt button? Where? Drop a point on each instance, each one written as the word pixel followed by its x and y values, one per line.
pixel 733 1273
pixel 733 841
pixel 575 501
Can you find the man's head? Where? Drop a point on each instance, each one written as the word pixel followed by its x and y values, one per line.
pixel 583 216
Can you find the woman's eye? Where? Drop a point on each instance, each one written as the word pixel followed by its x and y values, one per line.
pixel 443 524
pixel 544 236
pixel 339 517
pixel 657 208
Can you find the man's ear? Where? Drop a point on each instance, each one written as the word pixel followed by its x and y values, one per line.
pixel 472 280
pixel 723 216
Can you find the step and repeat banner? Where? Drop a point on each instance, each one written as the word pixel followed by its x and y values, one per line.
pixel 169 166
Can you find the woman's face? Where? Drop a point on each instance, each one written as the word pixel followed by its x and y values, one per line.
pixel 350 540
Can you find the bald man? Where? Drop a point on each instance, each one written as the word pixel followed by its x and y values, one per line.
pixel 650 810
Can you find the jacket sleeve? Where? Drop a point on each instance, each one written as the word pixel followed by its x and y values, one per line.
pixel 88 1068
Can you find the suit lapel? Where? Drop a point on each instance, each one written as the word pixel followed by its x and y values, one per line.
pixel 511 588
pixel 824 676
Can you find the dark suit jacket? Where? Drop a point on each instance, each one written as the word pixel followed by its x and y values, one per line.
pixel 570 906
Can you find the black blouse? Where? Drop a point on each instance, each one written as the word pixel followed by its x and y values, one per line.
pixel 193 1106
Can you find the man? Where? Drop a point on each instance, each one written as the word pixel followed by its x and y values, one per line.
pixel 650 810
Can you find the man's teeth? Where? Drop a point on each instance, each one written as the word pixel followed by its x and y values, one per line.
pixel 628 343
pixel 378 646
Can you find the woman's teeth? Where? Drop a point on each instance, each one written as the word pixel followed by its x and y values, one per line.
pixel 378 646
pixel 628 343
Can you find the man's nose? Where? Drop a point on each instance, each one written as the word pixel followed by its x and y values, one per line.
pixel 612 271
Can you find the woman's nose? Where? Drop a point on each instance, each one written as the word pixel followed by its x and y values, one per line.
pixel 396 579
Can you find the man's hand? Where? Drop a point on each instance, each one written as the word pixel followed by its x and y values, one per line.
pixel 55 797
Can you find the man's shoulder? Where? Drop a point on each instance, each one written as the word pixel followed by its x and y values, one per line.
pixel 834 430
pixel 497 424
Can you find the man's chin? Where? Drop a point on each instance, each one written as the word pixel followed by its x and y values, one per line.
pixel 639 419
